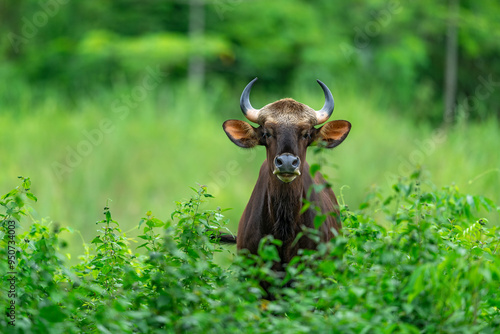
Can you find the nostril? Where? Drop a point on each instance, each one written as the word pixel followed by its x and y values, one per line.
pixel 286 163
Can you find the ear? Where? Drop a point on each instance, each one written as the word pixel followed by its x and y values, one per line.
pixel 241 133
pixel 333 133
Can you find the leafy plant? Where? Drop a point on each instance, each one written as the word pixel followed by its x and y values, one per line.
pixel 419 260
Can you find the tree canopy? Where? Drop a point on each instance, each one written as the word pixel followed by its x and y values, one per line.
pixel 397 47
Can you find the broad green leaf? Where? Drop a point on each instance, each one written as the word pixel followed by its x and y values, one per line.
pixel 96 240
pixel 52 314
pixel 314 169
pixel 319 220
pixel 31 196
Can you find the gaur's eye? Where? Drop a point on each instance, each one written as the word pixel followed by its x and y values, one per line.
pixel 267 135
pixel 306 135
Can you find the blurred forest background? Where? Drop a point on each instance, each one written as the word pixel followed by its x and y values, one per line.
pixel 122 101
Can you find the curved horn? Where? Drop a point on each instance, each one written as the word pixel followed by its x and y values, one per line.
pixel 250 113
pixel 327 109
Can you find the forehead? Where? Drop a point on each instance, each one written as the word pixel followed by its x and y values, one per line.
pixel 287 112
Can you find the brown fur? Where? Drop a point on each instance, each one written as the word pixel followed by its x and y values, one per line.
pixel 286 126
pixel 287 111
pixel 274 209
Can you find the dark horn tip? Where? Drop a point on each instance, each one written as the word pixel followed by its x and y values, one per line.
pixel 245 97
pixel 329 103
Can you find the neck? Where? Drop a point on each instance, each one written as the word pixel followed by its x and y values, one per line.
pixel 285 202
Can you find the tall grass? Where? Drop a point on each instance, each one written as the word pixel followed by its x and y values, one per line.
pixel 172 140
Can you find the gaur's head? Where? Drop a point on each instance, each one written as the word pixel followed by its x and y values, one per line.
pixel 286 128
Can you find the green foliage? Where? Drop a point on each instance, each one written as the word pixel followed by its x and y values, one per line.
pixel 109 52
pixel 387 46
pixel 417 261
pixel 13 203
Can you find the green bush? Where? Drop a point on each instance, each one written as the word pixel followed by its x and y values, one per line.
pixel 418 261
